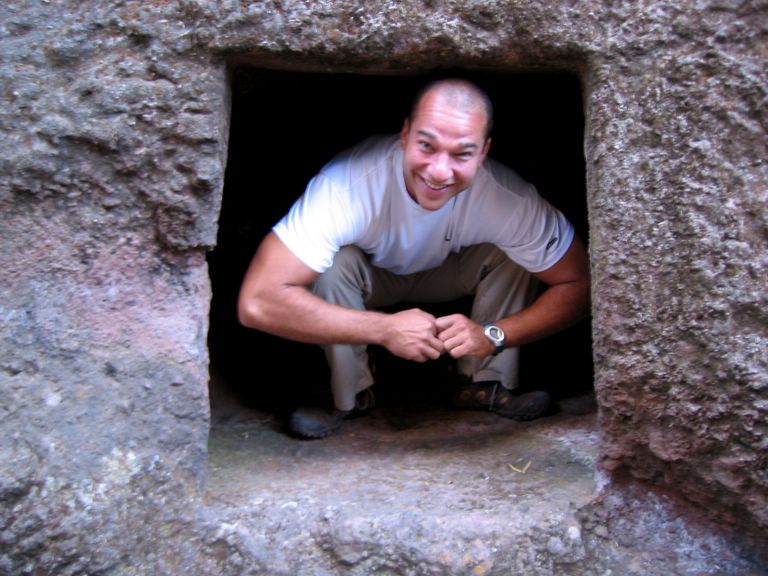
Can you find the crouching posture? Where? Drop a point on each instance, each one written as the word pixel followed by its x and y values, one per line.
pixel 423 216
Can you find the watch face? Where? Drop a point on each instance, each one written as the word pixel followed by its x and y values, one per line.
pixel 495 332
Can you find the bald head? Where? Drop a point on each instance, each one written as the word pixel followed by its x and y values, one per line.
pixel 458 94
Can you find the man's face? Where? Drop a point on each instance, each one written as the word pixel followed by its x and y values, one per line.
pixel 443 148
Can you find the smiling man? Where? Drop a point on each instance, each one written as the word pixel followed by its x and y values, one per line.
pixel 420 217
pixel 445 142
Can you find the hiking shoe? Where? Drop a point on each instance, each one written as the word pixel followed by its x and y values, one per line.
pixel 492 396
pixel 528 406
pixel 312 423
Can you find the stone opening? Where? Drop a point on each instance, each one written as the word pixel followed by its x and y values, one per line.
pixel 284 127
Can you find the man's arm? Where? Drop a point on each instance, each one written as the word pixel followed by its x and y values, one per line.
pixel 565 302
pixel 274 298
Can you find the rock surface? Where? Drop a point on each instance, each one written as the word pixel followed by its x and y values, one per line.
pixel 113 144
pixel 424 490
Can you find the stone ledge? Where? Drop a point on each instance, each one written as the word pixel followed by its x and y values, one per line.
pixel 437 492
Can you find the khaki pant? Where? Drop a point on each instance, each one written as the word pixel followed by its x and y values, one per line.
pixel 500 288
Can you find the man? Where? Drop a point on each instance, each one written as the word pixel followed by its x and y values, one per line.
pixel 422 217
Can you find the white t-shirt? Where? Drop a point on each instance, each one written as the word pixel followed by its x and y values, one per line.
pixel 360 198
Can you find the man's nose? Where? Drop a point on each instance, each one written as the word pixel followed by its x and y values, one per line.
pixel 440 168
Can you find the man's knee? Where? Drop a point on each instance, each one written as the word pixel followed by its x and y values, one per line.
pixel 486 262
pixel 347 270
pixel 494 257
pixel 349 256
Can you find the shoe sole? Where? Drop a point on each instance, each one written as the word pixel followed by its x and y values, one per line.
pixel 526 407
pixel 300 428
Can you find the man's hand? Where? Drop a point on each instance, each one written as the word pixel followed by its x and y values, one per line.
pixel 563 303
pixel 412 335
pixel 463 337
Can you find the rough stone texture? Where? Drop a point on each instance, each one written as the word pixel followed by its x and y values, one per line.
pixel 425 491
pixel 113 134
pixel 113 140
pixel 678 189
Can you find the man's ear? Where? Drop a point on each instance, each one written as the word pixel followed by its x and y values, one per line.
pixel 486 147
pixel 404 132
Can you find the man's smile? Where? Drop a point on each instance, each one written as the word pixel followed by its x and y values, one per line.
pixel 436 187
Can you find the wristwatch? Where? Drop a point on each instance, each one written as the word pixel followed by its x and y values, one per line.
pixel 495 335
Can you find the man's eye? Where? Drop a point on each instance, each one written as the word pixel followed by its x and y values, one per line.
pixel 465 155
pixel 425 145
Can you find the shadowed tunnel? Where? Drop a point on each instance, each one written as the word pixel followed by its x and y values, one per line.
pixel 284 127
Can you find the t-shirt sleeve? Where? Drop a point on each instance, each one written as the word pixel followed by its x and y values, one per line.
pixel 540 236
pixel 317 224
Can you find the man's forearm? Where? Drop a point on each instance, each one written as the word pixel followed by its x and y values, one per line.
pixel 554 310
pixel 298 315
pixel 564 303
pixel 294 313
pixel 275 298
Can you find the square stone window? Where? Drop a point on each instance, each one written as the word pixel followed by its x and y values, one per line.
pixel 284 127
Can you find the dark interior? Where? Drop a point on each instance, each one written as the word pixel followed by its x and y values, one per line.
pixel 284 127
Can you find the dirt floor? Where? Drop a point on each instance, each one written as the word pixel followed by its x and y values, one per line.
pixel 420 490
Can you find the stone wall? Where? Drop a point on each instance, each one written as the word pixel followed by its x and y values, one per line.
pixel 114 130
pixel 113 141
